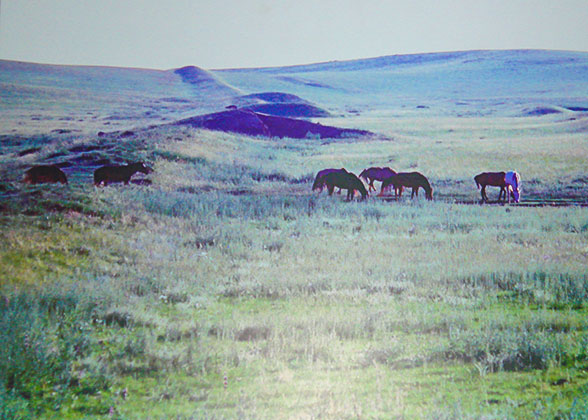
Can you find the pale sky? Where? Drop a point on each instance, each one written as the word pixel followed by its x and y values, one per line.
pixel 214 34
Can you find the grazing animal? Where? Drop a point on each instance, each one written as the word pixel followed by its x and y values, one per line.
pixel 414 180
pixel 499 179
pixel 376 174
pixel 513 184
pixel 319 180
pixel 39 174
pixel 345 180
pixel 115 173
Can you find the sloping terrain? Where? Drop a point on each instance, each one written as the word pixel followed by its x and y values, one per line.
pixel 204 81
pixel 469 83
pixel 280 104
pixel 251 123
pixel 38 98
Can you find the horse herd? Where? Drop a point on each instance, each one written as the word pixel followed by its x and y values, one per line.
pixel 509 182
pixel 104 175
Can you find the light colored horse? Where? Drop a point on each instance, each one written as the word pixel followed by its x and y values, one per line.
pixel 513 185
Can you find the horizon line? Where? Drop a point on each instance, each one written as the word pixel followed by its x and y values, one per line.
pixel 286 66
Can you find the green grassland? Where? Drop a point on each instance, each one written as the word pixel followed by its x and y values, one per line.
pixel 227 289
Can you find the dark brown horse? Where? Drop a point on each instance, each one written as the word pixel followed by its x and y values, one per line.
pixel 319 181
pixel 376 174
pixel 345 180
pixel 40 174
pixel 414 180
pixel 115 173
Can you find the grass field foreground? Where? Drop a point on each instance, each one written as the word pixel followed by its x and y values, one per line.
pixel 226 289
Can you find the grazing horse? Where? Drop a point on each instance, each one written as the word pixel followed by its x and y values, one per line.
pixel 319 181
pixel 376 174
pixel 499 179
pixel 115 173
pixel 414 180
pixel 345 180
pixel 513 184
pixel 39 174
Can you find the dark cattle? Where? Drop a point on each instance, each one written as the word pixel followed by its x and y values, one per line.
pixel 40 174
pixel 414 180
pixel 114 173
pixel 319 180
pixel 345 180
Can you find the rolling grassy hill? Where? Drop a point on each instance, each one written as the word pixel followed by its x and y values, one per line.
pixel 466 83
pixel 473 83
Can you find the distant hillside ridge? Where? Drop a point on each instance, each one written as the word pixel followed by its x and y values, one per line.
pixel 280 104
pixel 462 83
pixel 199 78
pixel 526 56
pixel 274 97
pixel 290 110
pixel 256 124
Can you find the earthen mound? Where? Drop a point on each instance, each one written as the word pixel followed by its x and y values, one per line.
pixel 256 124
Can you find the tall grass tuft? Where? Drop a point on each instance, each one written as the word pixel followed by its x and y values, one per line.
pixel 44 336
pixel 498 348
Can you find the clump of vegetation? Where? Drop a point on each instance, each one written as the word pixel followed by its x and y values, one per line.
pixel 46 340
pixel 496 348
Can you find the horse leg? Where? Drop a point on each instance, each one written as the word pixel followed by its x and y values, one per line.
pixel 330 189
pixel 502 192
pixel 483 192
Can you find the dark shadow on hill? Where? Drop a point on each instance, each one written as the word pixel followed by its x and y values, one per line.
pixel 251 123
pixel 541 110
pixel 290 110
pixel 280 104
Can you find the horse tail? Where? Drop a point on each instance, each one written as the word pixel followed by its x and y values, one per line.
pixel 477 182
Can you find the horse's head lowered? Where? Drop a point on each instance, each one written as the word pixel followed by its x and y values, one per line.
pixel 513 182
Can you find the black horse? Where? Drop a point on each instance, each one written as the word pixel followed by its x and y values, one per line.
pixel 116 173
pixel 40 174
pixel 345 180
pixel 319 181
pixel 414 180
